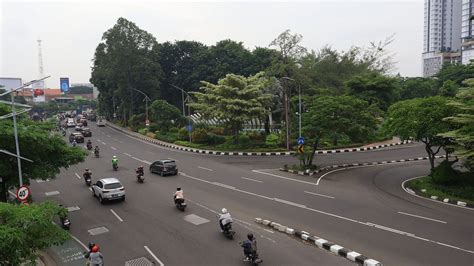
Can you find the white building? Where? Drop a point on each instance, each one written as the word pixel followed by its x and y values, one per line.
pixel 442 34
pixel 467 31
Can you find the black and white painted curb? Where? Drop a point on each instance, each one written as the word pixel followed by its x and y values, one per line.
pixel 310 173
pixel 321 243
pixel 423 194
pixel 182 148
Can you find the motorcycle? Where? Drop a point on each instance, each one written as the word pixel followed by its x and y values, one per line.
pixel 180 204
pixel 228 232
pixel 65 223
pixel 88 181
pixel 140 178
pixel 89 146
pixel 115 166
pixel 254 259
pixel 96 153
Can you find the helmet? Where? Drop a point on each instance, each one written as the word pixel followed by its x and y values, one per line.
pixel 224 210
pixel 95 248
pixel 250 236
pixel 115 157
pixel 178 189
pixel 141 166
pixel 87 169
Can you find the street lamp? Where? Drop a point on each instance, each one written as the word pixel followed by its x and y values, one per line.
pixel 189 112
pixel 299 111
pixel 20 176
pixel 146 103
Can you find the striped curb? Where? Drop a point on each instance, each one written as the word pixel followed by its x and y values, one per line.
pixel 321 243
pixel 436 198
pixel 182 148
pixel 311 173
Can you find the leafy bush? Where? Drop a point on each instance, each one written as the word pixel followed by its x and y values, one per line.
pixel 256 136
pixel 243 140
pixel 143 131
pixel 150 134
pixel 166 136
pixel 444 174
pixel 272 140
pixel 183 134
pixel 200 136
pixel 153 127
pixel 218 131
pixel 174 130
pixel 214 139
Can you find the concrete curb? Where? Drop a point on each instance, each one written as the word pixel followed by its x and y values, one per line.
pixel 310 173
pixel 423 194
pixel 234 153
pixel 321 243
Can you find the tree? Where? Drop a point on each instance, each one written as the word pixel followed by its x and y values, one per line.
pixel 48 151
pixel 463 135
pixel 421 119
pixel 80 90
pixel 335 116
pixel 417 88
pixel 455 72
pixel 449 89
pixel 26 229
pixel 126 59
pixel 165 115
pixel 376 89
pixel 234 100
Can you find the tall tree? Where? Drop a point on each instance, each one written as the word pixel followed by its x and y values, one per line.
pixel 417 88
pixel 376 89
pixel 27 229
pixel 166 115
pixel 421 119
pixel 234 100
pixel 126 59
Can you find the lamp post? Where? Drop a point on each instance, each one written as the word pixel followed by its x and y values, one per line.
pixel 189 112
pixel 15 130
pixel 146 103
pixel 299 109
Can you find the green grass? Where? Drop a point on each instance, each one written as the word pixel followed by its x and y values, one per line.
pixel 226 147
pixel 462 192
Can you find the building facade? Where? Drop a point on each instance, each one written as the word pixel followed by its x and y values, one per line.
pixel 467 31
pixel 442 34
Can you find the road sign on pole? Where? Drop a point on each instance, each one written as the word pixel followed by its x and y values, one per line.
pixel 23 193
pixel 300 141
pixel 147 122
pixel 300 148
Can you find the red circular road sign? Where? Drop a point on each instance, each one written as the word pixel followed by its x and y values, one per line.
pixel 147 122
pixel 23 193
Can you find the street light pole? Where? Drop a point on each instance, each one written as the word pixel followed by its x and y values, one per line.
pixel 189 111
pixel 299 110
pixel 146 102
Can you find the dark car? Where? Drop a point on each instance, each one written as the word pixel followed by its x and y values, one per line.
pixel 86 132
pixel 164 167
pixel 79 127
pixel 78 136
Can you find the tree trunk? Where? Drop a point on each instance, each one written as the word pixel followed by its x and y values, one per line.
pixel 3 191
pixel 313 152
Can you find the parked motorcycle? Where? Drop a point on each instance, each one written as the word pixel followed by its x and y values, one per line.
pixel 65 223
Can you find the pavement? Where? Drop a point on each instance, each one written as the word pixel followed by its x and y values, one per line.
pixel 363 209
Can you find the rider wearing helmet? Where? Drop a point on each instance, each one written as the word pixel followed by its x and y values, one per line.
pixel 96 257
pixel 140 170
pixel 87 174
pixel 224 218
pixel 250 246
pixel 179 194
pixel 114 160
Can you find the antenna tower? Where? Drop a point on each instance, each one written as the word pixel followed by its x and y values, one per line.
pixel 40 63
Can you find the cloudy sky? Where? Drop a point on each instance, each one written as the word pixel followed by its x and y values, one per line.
pixel 70 30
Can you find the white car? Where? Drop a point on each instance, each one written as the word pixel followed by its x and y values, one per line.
pixel 70 122
pixel 100 123
pixel 108 189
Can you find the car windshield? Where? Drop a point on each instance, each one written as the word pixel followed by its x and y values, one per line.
pixel 113 186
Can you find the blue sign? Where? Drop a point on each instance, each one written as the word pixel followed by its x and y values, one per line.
pixel 189 128
pixel 64 84
pixel 300 141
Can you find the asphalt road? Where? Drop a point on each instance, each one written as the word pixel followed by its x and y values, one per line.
pixel 363 209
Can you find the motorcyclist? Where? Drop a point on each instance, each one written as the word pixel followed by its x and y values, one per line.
pixel 74 142
pixel 224 218
pixel 89 144
pixel 96 257
pixel 96 149
pixel 178 195
pixel 250 246
pixel 87 174
pixel 140 170
pixel 114 161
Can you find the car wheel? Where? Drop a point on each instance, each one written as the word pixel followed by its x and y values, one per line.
pixel 151 170
pixel 93 193
pixel 101 200
pixel 176 173
pixel 123 198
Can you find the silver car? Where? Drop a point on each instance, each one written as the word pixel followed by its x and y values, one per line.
pixel 108 189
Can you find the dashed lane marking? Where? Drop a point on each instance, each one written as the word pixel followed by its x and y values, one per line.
pixel 268 230
pixel 52 193
pixel 77 176
pixel 154 256
pixel 283 177
pixel 204 168
pixel 421 217
pixel 128 154
pixel 103 143
pixel 116 215
pixel 73 208
pixel 321 195
pixel 250 179
pixel 113 148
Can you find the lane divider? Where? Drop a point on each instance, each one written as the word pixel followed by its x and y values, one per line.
pixel 320 242
pixel 234 153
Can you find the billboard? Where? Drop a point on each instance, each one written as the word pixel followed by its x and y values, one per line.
pixel 38 96
pixel 64 84
pixel 9 84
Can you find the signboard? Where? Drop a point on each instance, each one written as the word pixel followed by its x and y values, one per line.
pixel 64 84
pixel 189 128
pixel 38 95
pixel 147 123
pixel 300 141
pixel 300 148
pixel 23 193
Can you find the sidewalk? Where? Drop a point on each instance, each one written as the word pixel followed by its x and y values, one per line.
pixel 390 141
pixel 68 254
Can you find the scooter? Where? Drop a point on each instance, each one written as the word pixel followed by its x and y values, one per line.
pixel 88 181
pixel 96 153
pixel 115 166
pixel 254 259
pixel 228 232
pixel 89 146
pixel 180 204
pixel 65 223
pixel 140 178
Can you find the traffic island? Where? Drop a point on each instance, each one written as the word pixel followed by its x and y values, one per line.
pixel 320 242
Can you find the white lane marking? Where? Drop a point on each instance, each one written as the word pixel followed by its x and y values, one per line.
pixel 113 148
pixel 334 215
pixel 52 193
pixel 116 215
pixel 321 177
pixel 128 154
pixel 406 190
pixel 421 217
pixel 223 185
pixel 108 136
pixel 140 160
pixel 154 256
pixel 250 179
pixel 321 195
pixel 270 231
pixel 98 140
pixel 77 175
pixel 79 241
pixel 103 143
pixel 282 177
pixel 135 158
pixel 90 189
pixel 147 162
pixel 204 168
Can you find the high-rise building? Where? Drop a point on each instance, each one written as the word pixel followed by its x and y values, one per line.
pixel 442 34
pixel 467 31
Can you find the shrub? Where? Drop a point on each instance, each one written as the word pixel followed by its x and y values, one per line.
pixel 243 140
pixel 168 137
pixel 255 136
pixel 153 127
pixel 150 135
pixel 444 174
pixel 272 140
pixel 214 139
pixel 174 130
pixel 183 134
pixel 218 131
pixel 143 131
pixel 200 136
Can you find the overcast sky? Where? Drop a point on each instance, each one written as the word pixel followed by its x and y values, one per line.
pixel 71 30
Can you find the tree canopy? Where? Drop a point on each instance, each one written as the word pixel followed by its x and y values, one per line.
pixel 165 115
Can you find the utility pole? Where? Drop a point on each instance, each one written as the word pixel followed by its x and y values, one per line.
pixel 286 112
pixel 189 111
pixel 146 103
